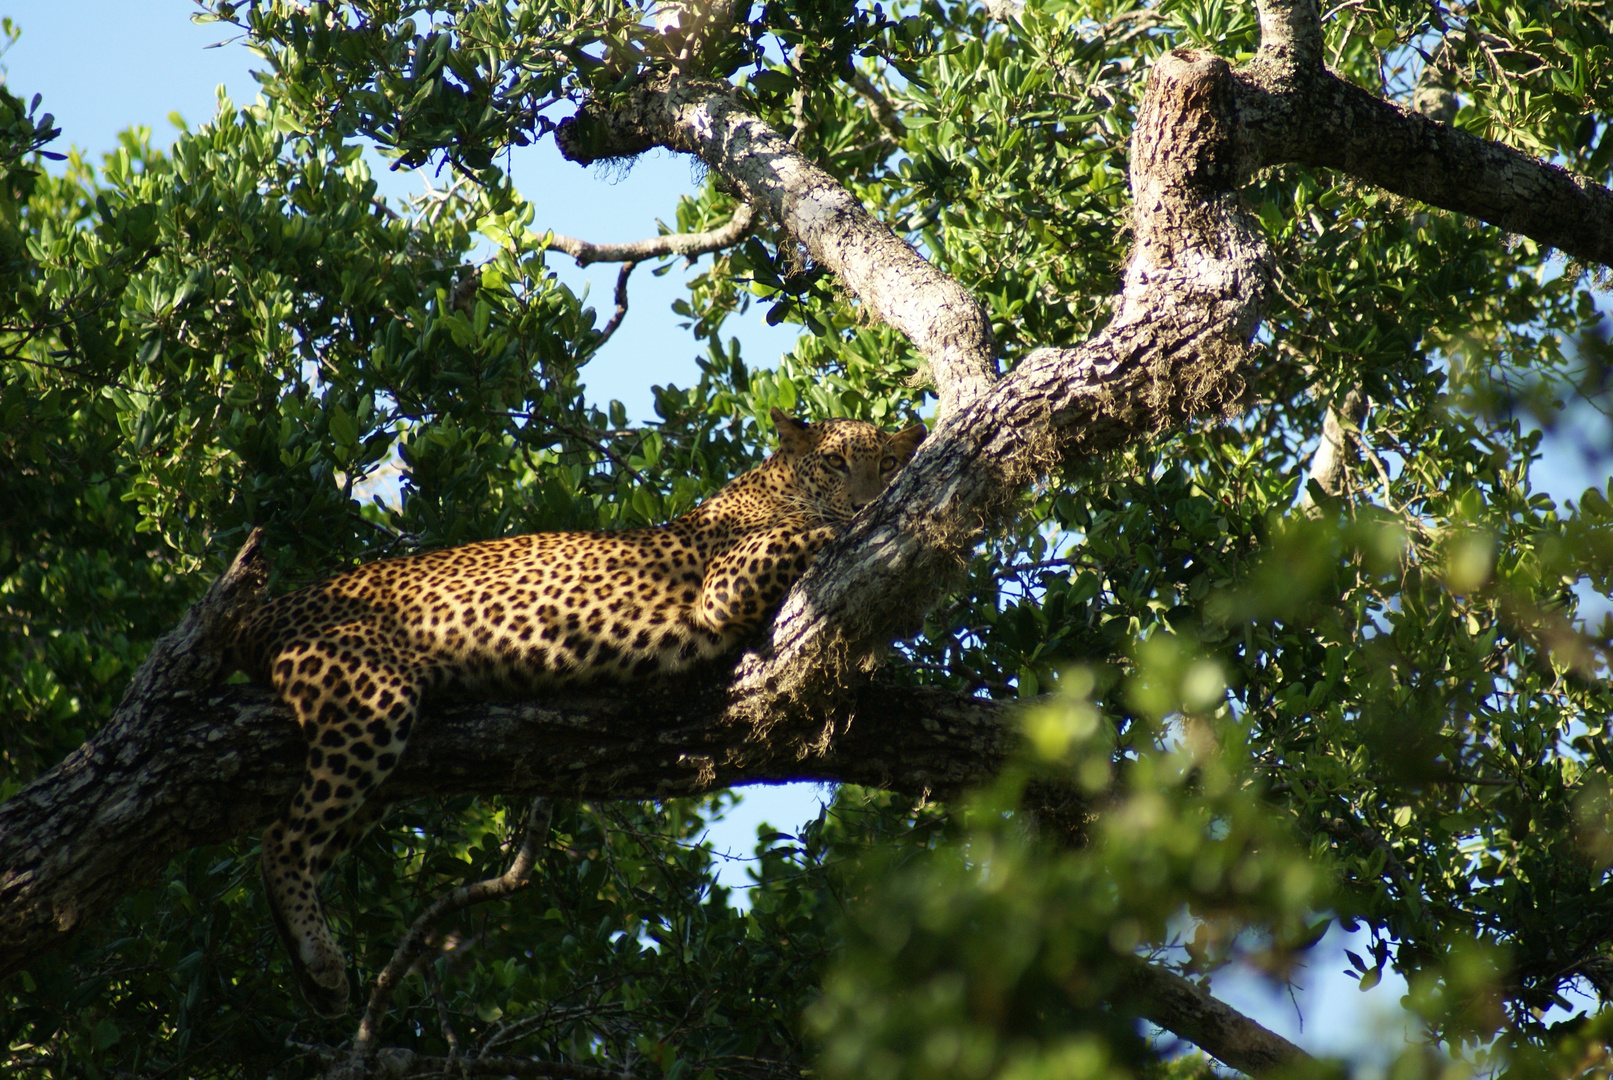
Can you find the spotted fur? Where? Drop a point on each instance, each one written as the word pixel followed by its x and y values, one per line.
pixel 356 656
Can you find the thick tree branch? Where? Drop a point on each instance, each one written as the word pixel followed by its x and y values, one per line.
pixel 182 765
pixel 1291 109
pixel 937 314
pixel 1180 1006
pixel 1194 291
pixel 659 247
pixel 69 841
pixel 1290 32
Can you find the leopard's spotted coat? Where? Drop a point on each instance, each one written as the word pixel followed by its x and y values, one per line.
pixel 355 656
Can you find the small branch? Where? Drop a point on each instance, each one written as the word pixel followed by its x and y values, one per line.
pixel 433 980
pixel 462 298
pixel 621 463
pixel 1332 456
pixel 688 245
pixel 621 306
pixel 804 125
pixel 884 112
pixel 414 942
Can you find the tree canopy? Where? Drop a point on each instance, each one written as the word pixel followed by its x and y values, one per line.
pixel 1220 606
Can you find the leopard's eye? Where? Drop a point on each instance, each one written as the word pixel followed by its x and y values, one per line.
pixel 835 461
pixel 887 464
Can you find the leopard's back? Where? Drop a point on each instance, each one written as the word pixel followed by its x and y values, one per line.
pixel 510 615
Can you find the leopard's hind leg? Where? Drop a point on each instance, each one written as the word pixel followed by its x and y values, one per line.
pixel 356 699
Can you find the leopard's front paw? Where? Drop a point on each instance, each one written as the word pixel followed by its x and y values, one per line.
pixel 322 978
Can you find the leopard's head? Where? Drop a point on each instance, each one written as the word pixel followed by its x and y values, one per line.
pixel 840 466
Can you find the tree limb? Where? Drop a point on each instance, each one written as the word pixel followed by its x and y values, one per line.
pixel 937 314
pixel 181 766
pixel 69 840
pixel 398 1063
pixel 659 247
pixel 414 943
pixel 884 112
pixel 1182 1007
pixel 1194 292
pixel 621 308
pixel 1332 457
pixel 1293 110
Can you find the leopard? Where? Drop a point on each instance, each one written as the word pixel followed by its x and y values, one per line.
pixel 358 657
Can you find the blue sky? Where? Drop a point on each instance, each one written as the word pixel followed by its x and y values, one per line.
pixel 106 65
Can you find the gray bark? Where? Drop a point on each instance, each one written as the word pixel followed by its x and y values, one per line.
pixel 689 245
pixel 1293 110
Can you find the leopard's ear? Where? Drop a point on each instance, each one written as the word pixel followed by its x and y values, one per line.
pixel 905 443
pixel 794 436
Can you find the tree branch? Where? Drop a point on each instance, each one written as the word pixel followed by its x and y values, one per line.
pixel 1194 292
pixel 183 765
pixel 1180 1006
pixel 1332 455
pixel 621 308
pixel 1292 110
pixel 74 840
pixel 406 1063
pixel 884 112
pixel 937 314
pixel 657 247
pixel 414 942
pixel 1290 32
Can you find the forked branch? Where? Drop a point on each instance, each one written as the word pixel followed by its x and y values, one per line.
pixel 416 941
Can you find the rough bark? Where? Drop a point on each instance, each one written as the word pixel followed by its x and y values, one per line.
pixel 69 840
pixel 1291 109
pixel 1180 1006
pixel 195 767
pixel 1194 291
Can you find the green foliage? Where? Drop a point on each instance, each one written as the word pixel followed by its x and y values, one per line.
pixel 998 955
pixel 1380 707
